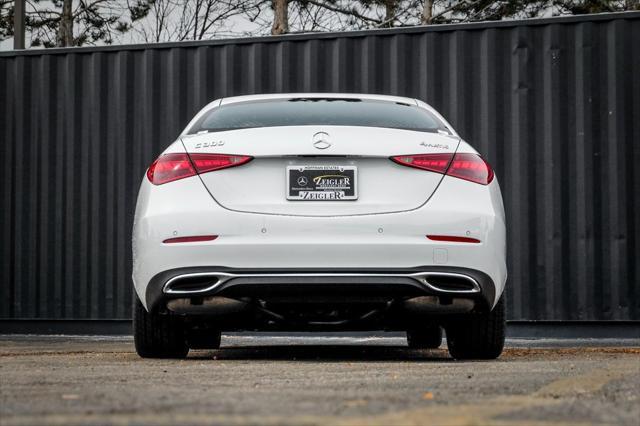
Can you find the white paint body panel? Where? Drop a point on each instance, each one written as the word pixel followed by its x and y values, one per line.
pixel 260 186
pixel 380 230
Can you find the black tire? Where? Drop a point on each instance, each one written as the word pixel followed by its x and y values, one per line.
pixel 478 336
pixel 425 338
pixel 157 336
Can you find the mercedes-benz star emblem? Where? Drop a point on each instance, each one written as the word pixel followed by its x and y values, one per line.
pixel 302 181
pixel 321 140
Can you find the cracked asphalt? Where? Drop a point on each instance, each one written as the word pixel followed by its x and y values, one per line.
pixel 317 380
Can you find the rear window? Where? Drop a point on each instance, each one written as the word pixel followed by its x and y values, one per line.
pixel 318 111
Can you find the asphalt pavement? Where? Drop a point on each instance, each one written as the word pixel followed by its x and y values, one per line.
pixel 342 380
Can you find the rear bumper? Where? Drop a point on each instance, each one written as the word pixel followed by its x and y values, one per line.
pixel 261 242
pixel 312 284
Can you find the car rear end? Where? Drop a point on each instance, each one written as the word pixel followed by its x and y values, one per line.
pixel 325 220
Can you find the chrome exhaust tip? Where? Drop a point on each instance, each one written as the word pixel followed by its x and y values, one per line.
pixel 194 283
pixel 448 282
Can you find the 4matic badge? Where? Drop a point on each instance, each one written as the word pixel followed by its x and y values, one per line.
pixel 434 145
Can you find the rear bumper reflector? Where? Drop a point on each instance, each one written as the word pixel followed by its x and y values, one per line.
pixel 191 239
pixel 453 239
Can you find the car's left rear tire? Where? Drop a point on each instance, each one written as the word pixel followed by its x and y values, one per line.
pixel 156 335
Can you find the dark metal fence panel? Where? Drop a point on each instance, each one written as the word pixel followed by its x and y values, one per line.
pixel 553 104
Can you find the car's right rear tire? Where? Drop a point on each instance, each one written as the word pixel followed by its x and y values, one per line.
pixel 156 335
pixel 478 336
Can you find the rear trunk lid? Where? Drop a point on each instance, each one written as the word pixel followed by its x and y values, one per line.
pixel 283 154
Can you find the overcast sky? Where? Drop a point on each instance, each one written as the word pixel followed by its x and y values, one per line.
pixel 237 24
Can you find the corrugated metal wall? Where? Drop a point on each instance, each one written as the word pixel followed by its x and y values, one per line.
pixel 553 104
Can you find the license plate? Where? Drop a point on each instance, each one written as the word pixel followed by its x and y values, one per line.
pixel 322 183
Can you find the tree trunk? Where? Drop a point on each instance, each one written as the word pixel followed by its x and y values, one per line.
pixel 65 27
pixel 390 7
pixel 280 17
pixel 427 12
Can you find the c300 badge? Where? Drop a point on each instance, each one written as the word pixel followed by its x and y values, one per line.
pixel 209 144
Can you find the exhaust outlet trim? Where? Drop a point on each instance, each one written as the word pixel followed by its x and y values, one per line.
pixel 426 280
pixel 474 287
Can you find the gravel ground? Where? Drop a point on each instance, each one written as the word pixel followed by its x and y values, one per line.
pixel 317 380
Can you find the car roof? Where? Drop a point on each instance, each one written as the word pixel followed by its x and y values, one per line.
pixel 260 97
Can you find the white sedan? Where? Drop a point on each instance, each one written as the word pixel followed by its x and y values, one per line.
pixel 303 212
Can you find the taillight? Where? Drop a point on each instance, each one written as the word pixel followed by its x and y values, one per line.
pixel 433 162
pixel 210 162
pixel 170 167
pixel 469 167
